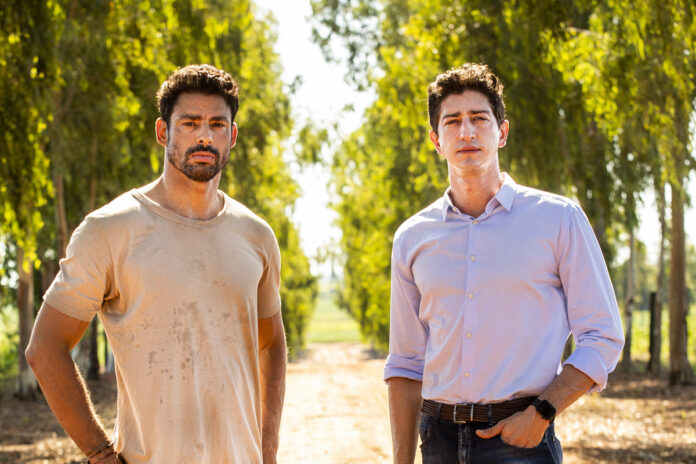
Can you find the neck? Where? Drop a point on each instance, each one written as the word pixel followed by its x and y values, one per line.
pixel 471 192
pixel 188 198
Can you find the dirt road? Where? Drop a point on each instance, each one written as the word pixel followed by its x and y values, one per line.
pixel 336 408
pixel 336 413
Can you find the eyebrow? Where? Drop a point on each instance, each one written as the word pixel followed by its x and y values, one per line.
pixel 198 117
pixel 459 113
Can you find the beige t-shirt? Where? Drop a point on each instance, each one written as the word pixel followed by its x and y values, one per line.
pixel 179 300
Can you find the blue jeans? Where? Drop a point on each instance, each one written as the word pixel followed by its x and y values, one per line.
pixel 444 442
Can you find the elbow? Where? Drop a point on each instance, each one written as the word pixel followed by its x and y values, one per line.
pixel 31 354
pixel 37 354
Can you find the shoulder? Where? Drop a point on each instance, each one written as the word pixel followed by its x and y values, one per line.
pixel 428 217
pixel 542 201
pixel 111 217
pixel 122 207
pixel 245 219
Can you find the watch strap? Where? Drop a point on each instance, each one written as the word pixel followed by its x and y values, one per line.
pixel 545 409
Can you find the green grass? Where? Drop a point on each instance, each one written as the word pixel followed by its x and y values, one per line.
pixel 329 323
pixel 640 345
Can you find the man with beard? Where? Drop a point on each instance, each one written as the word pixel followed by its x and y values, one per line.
pixel 186 283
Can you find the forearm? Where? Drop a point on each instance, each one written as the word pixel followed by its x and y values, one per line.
pixel 404 413
pixel 67 395
pixel 272 365
pixel 526 428
pixel 570 385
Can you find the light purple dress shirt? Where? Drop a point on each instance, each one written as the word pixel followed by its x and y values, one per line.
pixel 481 308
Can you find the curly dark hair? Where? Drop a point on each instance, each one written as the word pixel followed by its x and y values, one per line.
pixel 197 78
pixel 469 76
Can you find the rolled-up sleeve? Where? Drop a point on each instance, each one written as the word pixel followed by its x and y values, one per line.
pixel 593 314
pixel 408 335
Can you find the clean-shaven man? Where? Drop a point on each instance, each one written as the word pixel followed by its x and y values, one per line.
pixel 488 282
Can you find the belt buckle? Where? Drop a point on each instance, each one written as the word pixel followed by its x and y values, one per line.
pixel 471 413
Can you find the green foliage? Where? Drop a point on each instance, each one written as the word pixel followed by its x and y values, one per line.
pixel 77 94
pixel 578 77
pixel 9 340
pixel 25 64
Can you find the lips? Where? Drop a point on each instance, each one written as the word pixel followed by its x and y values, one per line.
pixel 202 155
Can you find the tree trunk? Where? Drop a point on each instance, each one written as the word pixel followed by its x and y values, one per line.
pixel 26 383
pixel 93 369
pixel 61 216
pixel 568 349
pixel 680 372
pixel 108 358
pixel 655 364
pixel 628 302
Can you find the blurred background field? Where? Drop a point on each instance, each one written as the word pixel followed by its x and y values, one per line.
pixel 329 324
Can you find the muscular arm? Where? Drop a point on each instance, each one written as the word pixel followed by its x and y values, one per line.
pixel 404 412
pixel 272 364
pixel 526 428
pixel 48 354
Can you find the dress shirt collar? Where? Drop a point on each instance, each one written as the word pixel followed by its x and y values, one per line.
pixel 505 197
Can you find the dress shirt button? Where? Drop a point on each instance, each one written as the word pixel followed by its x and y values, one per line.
pixel 475 222
pixel 471 296
pixel 466 374
pixel 468 335
pixel 472 257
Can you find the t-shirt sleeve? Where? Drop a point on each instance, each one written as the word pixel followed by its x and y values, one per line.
pixel 269 285
pixel 86 274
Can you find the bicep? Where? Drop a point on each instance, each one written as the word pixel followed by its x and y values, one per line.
pixel 271 331
pixel 54 328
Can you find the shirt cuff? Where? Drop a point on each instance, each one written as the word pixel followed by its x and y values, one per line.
pixel 590 362
pixel 402 366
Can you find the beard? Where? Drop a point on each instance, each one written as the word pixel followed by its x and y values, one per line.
pixel 191 169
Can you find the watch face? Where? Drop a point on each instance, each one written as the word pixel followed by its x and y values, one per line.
pixel 545 409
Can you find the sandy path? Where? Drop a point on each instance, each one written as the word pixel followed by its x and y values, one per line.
pixel 335 408
pixel 336 412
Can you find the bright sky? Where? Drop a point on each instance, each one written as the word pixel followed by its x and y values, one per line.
pixel 322 97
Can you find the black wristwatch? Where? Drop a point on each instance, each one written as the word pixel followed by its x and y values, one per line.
pixel 545 409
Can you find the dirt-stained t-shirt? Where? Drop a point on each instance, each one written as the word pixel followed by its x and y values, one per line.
pixel 179 300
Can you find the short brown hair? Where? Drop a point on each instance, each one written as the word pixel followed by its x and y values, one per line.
pixel 197 78
pixel 469 76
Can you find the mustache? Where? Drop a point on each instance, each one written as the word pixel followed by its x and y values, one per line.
pixel 199 148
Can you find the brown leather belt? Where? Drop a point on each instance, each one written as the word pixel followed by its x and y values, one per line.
pixel 469 412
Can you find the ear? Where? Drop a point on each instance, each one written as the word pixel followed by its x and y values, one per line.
pixel 436 141
pixel 504 129
pixel 233 135
pixel 161 132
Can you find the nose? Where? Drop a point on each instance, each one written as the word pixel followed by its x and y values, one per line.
pixel 467 131
pixel 205 135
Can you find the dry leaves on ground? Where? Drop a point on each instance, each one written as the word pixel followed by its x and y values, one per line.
pixel 336 413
